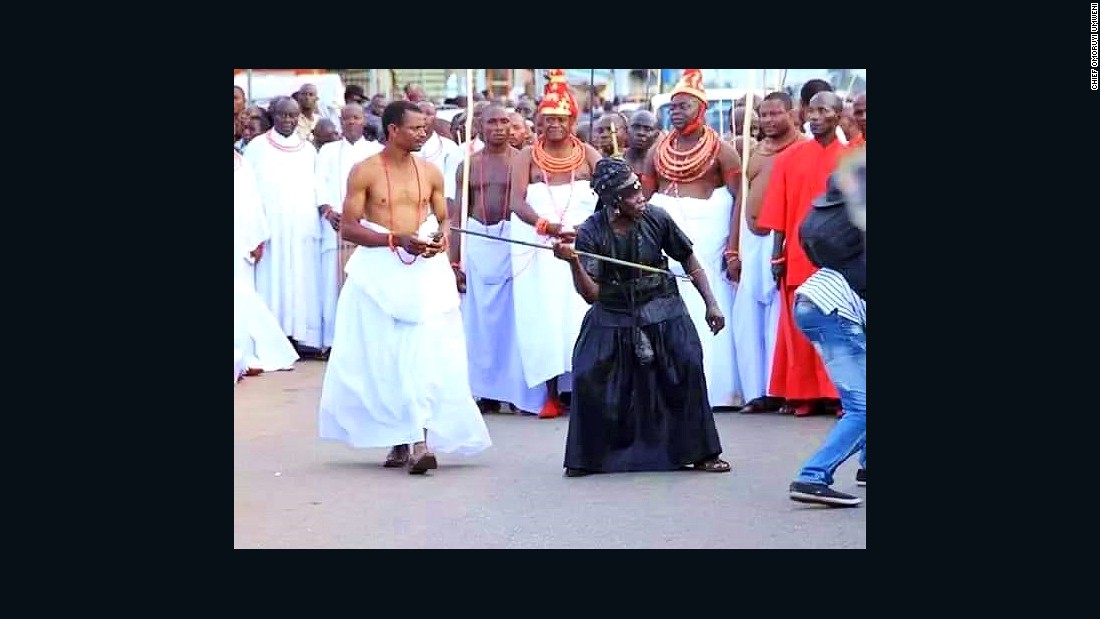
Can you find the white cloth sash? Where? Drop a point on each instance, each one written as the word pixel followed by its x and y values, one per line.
pixel 405 292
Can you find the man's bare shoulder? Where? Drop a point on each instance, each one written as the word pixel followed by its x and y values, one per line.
pixel 367 168
pixel 591 153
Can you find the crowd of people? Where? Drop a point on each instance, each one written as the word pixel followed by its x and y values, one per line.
pixel 339 222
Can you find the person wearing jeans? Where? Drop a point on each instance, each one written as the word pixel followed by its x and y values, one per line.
pixel 834 318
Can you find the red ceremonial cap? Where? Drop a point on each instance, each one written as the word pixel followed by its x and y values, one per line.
pixel 556 99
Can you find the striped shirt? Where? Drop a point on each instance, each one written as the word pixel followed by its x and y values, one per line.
pixel 829 291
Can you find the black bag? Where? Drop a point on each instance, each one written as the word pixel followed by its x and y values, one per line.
pixel 830 240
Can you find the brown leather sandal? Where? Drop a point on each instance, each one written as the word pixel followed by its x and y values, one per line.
pixel 714 465
pixel 421 465
pixel 397 458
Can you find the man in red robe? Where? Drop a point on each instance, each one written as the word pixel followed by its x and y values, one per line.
pixel 799 174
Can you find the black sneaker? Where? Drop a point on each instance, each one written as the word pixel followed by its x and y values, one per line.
pixel 861 477
pixel 820 493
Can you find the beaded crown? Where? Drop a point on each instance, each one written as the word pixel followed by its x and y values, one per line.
pixel 556 98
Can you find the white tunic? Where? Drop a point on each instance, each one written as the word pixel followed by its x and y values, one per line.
pixel 287 277
pixel 334 163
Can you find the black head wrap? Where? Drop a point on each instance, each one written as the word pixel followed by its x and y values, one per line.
pixel 610 177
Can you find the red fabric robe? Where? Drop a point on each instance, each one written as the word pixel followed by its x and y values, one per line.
pixel 799 174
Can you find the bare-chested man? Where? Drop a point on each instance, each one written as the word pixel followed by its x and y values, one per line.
pixel 756 313
pixel 737 128
pixel 551 196
pixel 603 133
pixel 496 370
pixel 694 175
pixel 397 374
pixel 642 136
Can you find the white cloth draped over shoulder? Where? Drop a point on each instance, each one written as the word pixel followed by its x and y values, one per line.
pixel 548 310
pixel 398 365
pixel 258 341
pixel 334 163
pixel 707 224
pixel 287 277
pixel 755 318
pixel 488 315
pixel 447 156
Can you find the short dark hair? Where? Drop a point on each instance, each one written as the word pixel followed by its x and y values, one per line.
pixel 780 96
pixel 394 114
pixel 812 87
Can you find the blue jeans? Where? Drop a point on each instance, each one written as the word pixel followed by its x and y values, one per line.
pixel 842 345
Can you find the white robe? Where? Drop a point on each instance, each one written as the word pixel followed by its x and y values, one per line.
pixel 334 163
pixel 755 317
pixel 447 156
pixel 258 340
pixel 398 365
pixel 287 277
pixel 473 147
pixel 548 310
pixel 488 315
pixel 707 224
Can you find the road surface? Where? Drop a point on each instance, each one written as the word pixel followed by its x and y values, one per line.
pixel 292 490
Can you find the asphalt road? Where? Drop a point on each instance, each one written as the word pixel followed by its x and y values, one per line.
pixel 292 490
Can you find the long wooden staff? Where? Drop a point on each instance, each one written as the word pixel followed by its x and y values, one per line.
pixel 721 122
pixel 468 153
pixel 746 126
pixel 642 267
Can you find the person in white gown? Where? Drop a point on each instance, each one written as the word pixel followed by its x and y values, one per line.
pixel 442 152
pixel 397 374
pixel 551 196
pixel 334 163
pixel 694 175
pixel 488 310
pixel 755 316
pixel 287 278
pixel 259 344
